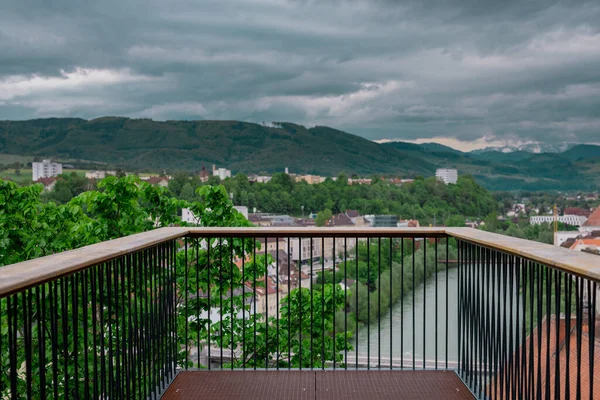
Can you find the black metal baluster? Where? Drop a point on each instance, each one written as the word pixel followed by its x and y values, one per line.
pixel 460 303
pixel 335 286
pixel 146 276
pixel 356 274
pixel 424 297
pixel 312 357
pixel 540 305
pixel 346 300
pixel 548 317
pixel 244 349
pixel 390 303
pixel 379 303
pixel 504 322
pixel 198 298
pixel 28 338
pixel 557 296
pixel 289 294
pixel 41 326
pixel 266 306
pixel 231 312
pixel 592 293
pixel 209 307
pixel 65 333
pixel 579 295
pixel 12 344
pixel 368 303
pixel 413 304
pixel 401 302
pixel 569 294
pixel 435 254
pixel 323 304
pixel 254 358
pixel 447 279
pixel 301 338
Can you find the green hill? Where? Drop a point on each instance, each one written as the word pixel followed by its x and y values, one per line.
pixel 143 144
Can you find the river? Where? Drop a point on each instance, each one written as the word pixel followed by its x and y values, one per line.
pixel 399 326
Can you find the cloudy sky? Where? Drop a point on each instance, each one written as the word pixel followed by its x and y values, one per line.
pixel 467 72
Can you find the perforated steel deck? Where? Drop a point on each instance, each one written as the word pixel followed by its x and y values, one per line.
pixel 371 385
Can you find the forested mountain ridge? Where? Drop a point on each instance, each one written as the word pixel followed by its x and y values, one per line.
pixel 143 144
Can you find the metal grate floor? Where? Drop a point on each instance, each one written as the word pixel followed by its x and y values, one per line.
pixel 347 385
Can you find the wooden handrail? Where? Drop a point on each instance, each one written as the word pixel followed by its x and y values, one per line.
pixel 16 277
pixel 576 262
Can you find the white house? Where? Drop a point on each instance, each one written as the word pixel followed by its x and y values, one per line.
pixel 446 175
pixel 222 173
pixel 45 169
pixel 99 174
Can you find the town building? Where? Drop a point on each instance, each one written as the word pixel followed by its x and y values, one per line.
pixel 310 179
pixel 380 221
pixel 45 169
pixel 162 181
pixel 204 175
pixel 447 175
pixel 259 178
pixel 258 220
pixel 222 173
pixel 99 174
pixel 48 183
pixel 577 211
pixel 592 223
pixel 575 220
pixel 561 237
pixel 359 181
pixel 590 244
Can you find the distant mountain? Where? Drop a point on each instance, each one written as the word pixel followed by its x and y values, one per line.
pixel 143 144
pixel 432 146
pixel 529 148
pixel 583 152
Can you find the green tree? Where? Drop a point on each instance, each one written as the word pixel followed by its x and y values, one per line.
pixel 455 220
pixel 323 217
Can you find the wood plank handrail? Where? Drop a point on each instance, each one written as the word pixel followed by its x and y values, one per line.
pixel 17 277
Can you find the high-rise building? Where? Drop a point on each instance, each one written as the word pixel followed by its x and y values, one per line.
pixel 45 169
pixel 446 175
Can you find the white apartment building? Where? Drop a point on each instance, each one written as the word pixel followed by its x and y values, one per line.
pixel 45 169
pixel 576 220
pixel 222 173
pixel 446 175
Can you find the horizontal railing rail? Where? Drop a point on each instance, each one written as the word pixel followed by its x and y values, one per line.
pixel 128 314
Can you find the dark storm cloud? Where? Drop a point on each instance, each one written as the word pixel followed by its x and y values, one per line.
pixel 467 69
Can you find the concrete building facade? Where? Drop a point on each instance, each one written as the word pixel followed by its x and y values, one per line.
pixel 447 175
pixel 45 169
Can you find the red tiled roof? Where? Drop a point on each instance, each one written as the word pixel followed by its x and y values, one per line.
pixel 549 348
pixel 594 219
pixel 154 180
pixel 340 220
pixel 577 211
pixel 46 181
pixel 352 213
pixel 586 242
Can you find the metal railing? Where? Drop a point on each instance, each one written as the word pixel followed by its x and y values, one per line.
pixel 515 319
